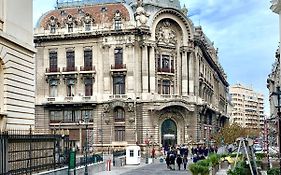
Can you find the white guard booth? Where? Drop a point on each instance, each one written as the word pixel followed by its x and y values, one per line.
pixel 133 155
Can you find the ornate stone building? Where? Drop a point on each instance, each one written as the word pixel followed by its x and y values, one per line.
pixel 17 86
pixel 140 71
pixel 274 77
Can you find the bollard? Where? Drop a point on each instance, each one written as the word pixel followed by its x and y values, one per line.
pixel 108 165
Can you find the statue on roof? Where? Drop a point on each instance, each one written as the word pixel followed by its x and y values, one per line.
pixel 141 15
pixel 139 3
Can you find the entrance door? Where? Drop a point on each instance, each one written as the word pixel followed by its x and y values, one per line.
pixel 169 133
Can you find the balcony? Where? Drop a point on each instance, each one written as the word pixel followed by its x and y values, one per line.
pixel 52 71
pixel 122 96
pixel 69 69
pixel 165 70
pixel 87 69
pixel 118 69
pixel 69 72
pixel 51 99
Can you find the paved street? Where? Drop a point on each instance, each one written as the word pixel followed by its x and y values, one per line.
pixel 144 169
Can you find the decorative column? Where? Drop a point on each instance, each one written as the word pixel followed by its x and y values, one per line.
pixel 130 83
pixel 152 67
pixel 144 57
pixel 104 78
pixel 184 71
pixel 193 65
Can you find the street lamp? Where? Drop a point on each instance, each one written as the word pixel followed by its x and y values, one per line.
pixel 86 119
pixel 276 100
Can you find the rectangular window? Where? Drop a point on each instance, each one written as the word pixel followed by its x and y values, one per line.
pixel 131 153
pixel 67 116
pixel 70 27
pixel 86 114
pixel 53 61
pixel 119 85
pixel 119 133
pixel 56 116
pixel 88 59
pixel 53 29
pixel 118 55
pixel 53 88
pixel 165 62
pixel 87 26
pixel 70 60
pixel 118 24
pixel 166 87
pixel 71 116
pixel 88 87
pixel 70 87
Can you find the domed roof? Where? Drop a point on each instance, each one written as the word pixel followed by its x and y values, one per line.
pixel 78 14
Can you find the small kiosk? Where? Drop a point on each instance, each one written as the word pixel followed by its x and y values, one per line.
pixel 133 155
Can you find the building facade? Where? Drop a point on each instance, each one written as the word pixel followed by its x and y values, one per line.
pixel 17 86
pixel 248 107
pixel 273 80
pixel 134 72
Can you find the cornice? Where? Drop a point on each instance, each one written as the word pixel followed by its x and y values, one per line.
pixel 276 6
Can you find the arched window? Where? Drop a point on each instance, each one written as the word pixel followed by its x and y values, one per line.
pixel 119 114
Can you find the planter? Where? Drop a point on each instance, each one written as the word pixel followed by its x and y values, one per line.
pixel 224 164
pixel 264 164
pixel 215 169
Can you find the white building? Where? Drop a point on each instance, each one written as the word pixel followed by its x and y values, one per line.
pixel 17 86
pixel 248 107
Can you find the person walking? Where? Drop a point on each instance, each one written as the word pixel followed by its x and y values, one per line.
pixel 179 161
pixel 184 160
pixel 172 161
pixel 168 161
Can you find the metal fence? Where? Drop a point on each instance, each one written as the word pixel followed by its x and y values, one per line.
pixel 26 152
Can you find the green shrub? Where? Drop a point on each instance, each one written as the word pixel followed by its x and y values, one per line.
pixel 273 171
pixel 259 156
pixel 240 169
pixel 204 162
pixel 214 159
pixel 197 169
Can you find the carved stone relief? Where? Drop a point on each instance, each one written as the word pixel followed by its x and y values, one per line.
pixel 130 107
pixel 106 108
pixel 165 34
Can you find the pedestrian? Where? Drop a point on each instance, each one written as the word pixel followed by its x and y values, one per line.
pixel 184 160
pixel 167 159
pixel 172 161
pixel 179 161
pixel 153 153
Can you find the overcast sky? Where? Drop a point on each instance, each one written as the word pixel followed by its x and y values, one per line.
pixel 244 31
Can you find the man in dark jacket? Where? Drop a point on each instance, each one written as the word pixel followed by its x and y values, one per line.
pixel 179 161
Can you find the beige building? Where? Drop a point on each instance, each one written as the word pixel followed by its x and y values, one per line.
pixel 17 86
pixel 140 71
pixel 248 107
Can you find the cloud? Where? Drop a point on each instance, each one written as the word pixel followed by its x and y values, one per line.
pixel 246 33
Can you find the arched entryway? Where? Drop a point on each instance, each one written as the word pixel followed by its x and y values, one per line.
pixel 169 133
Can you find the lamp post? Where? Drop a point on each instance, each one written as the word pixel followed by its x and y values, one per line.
pixel 277 95
pixel 86 151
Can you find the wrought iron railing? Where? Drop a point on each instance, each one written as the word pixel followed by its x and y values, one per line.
pixel 27 151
